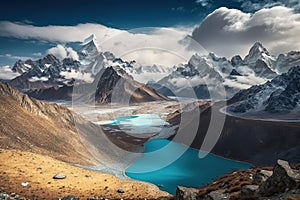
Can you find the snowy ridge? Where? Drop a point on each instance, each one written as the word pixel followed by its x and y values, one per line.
pixel 281 96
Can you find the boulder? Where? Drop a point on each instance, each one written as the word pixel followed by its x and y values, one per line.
pixel 217 195
pixel 59 176
pixel 120 190
pixel 3 195
pixel 249 191
pixel 261 176
pixel 183 193
pixel 283 179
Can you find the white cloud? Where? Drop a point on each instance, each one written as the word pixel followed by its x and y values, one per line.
pixel 38 54
pixel 62 52
pixel 87 77
pixel 71 53
pixel 159 46
pixel 229 32
pixel 130 45
pixel 56 33
pixel 35 78
pixel 15 57
pixel 7 74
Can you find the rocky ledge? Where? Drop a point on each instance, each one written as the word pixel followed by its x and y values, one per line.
pixel 281 182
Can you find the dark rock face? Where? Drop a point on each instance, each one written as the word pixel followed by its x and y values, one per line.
pixel 262 69
pixel 236 60
pixel 282 179
pixel 234 73
pixel 114 84
pixel 52 93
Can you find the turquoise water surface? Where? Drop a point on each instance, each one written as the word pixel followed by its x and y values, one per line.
pixel 140 124
pixel 159 165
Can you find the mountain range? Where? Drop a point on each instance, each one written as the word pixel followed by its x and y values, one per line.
pixel 204 76
pixel 206 73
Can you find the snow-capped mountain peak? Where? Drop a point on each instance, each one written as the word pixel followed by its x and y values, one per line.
pixel 256 52
pixel 260 61
pixel 91 39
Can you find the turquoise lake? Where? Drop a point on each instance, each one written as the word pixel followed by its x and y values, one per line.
pixel 159 165
pixel 169 164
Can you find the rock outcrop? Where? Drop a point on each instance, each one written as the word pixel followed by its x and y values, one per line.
pixel 115 85
pixel 282 182
pixel 282 179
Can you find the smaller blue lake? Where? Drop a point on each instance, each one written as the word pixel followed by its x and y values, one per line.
pixel 169 164
pixel 140 124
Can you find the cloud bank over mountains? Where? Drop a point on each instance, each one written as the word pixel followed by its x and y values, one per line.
pixel 229 31
pixel 62 52
pixel 226 32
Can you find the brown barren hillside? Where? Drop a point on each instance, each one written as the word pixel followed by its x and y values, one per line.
pixel 31 125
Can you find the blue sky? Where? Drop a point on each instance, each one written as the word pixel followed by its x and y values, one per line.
pixel 117 14
pixel 114 13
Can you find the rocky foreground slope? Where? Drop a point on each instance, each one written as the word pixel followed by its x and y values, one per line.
pixel 281 182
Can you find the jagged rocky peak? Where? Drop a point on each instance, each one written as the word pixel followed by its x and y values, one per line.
pixel 260 61
pixel 70 63
pixel 236 61
pixel 20 67
pixel 37 66
pixel 43 73
pixel 256 51
pixel 50 59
